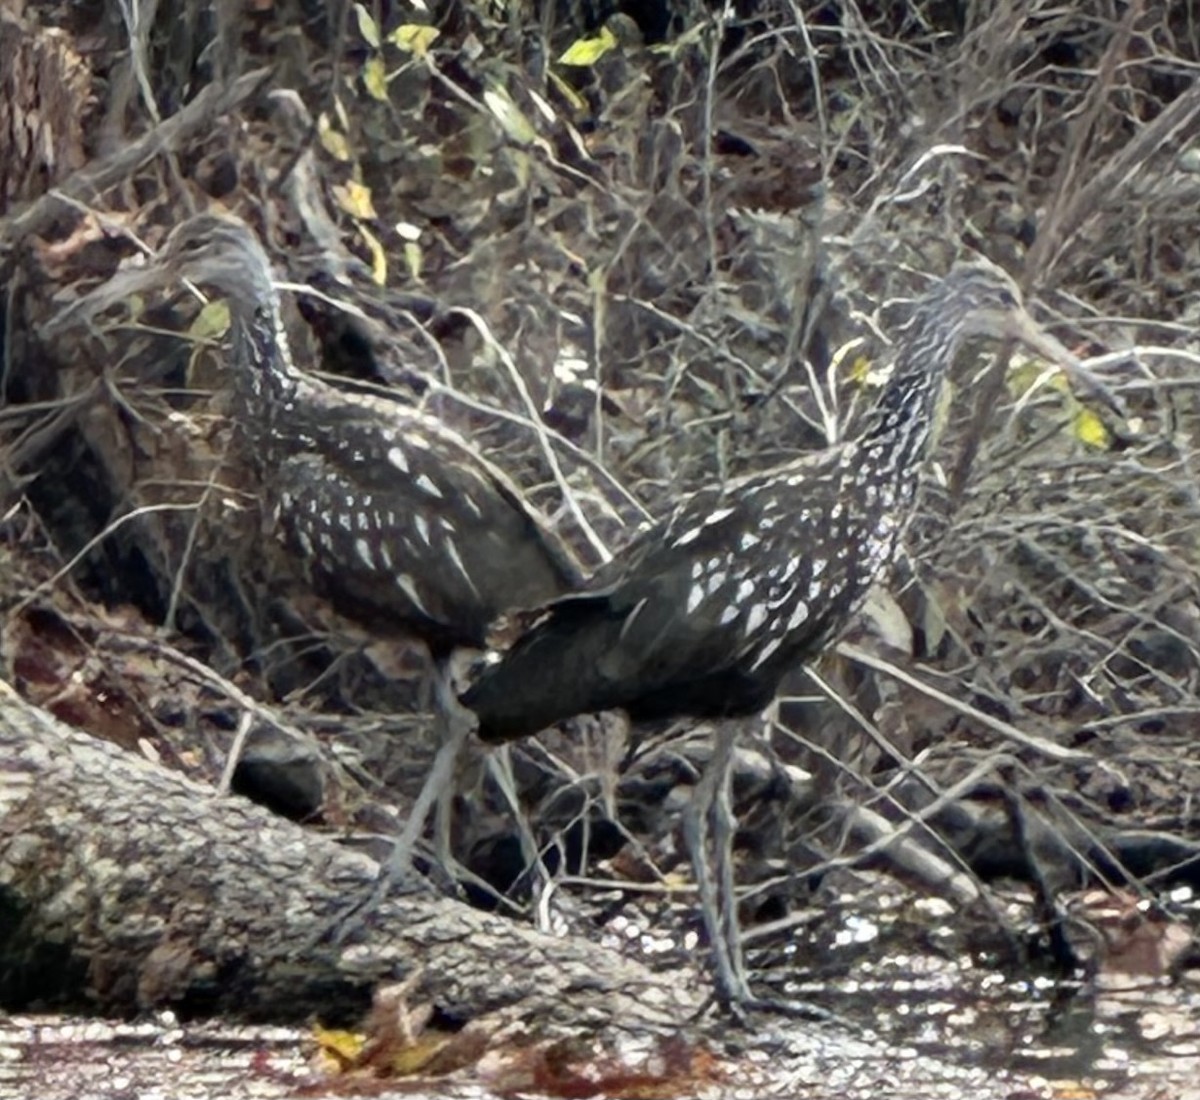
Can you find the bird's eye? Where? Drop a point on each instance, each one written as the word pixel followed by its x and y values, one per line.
pixel 1006 298
pixel 183 248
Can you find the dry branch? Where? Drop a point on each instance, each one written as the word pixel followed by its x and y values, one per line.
pixel 91 181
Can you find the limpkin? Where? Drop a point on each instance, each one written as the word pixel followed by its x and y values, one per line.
pixel 399 522
pixel 704 613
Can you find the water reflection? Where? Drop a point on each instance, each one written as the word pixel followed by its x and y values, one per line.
pixel 907 974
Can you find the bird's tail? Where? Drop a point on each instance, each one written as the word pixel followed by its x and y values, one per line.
pixel 554 672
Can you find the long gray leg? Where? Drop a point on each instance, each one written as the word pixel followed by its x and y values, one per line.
pixel 712 805
pixel 712 809
pixel 454 724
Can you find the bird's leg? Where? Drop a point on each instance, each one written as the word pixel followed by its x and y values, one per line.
pixel 454 724
pixel 725 825
pixel 712 808
pixel 712 805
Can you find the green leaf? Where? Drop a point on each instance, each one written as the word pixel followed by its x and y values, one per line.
pixel 367 27
pixel 415 38
pixel 212 322
pixel 413 258
pixel 587 51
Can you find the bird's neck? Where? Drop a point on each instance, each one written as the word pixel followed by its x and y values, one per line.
pixel 902 420
pixel 266 374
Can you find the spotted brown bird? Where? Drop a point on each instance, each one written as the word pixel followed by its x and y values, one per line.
pixel 398 521
pixel 707 610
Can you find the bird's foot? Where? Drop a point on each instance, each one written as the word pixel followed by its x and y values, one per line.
pixel 740 1005
pixel 731 985
pixel 396 876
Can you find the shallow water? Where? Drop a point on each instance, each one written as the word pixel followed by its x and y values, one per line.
pixel 908 984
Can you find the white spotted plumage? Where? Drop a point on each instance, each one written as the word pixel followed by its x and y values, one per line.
pixel 425 483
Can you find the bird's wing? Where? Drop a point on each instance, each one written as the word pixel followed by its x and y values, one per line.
pixel 723 577
pixel 392 519
pixel 699 614
pixel 403 449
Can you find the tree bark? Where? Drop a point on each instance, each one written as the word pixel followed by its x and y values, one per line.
pixel 124 886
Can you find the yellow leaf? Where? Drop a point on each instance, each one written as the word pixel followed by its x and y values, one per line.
pixel 412 1059
pixel 577 102
pixel 587 51
pixel 414 38
pixel 355 199
pixel 509 115
pixel 378 256
pixel 333 141
pixel 212 322
pixel 860 368
pixel 339 1047
pixel 1090 429
pixel 374 78
pixel 1025 375
pixel 367 26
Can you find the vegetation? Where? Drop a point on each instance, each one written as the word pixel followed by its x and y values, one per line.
pixel 631 252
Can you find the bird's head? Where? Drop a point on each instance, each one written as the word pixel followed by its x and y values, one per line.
pixel 984 295
pixel 986 301
pixel 217 251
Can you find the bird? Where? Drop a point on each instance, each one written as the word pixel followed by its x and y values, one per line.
pixel 704 612
pixel 398 521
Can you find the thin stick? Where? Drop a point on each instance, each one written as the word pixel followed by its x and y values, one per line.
pixel 996 725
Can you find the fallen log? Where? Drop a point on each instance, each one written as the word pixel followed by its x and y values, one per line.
pixel 124 887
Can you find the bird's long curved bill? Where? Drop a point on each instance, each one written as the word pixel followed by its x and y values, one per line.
pixel 1026 330
pixel 121 286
